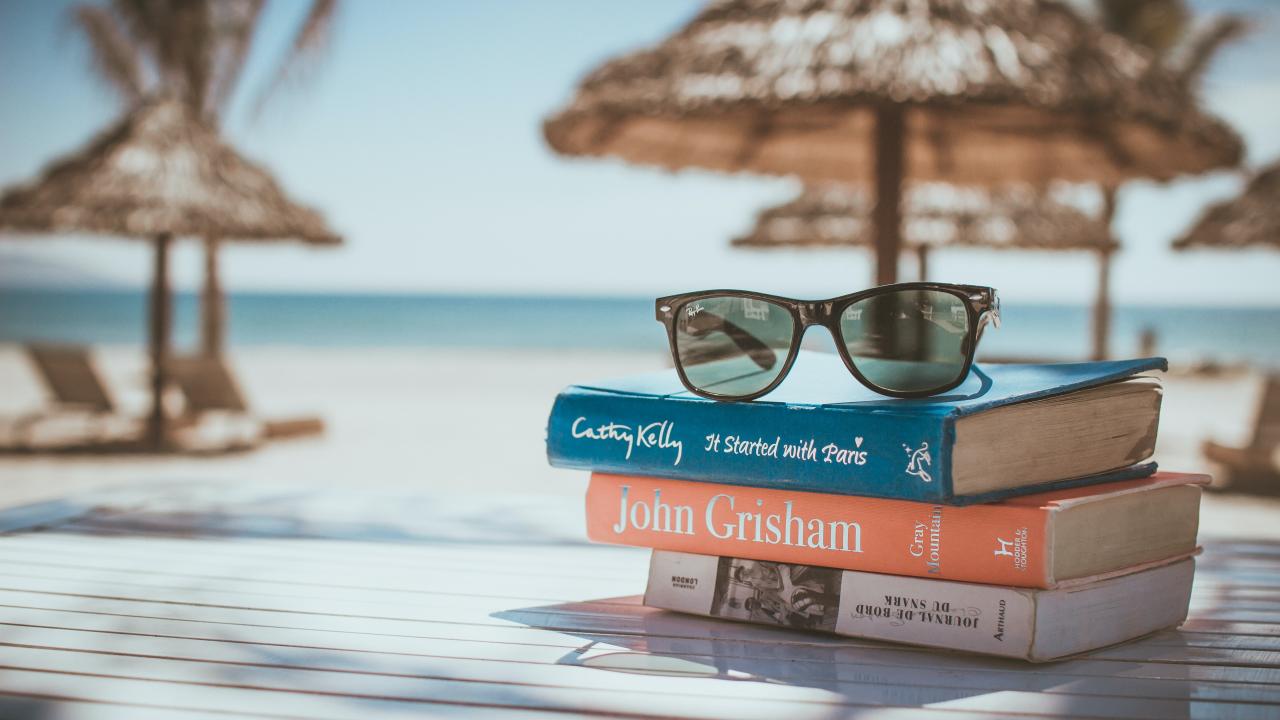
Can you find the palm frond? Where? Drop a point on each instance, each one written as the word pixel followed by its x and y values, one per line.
pixel 235 27
pixel 190 51
pixel 115 59
pixel 1204 45
pixel 311 39
pixel 145 22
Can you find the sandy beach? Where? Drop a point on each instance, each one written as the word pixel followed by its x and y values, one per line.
pixel 474 420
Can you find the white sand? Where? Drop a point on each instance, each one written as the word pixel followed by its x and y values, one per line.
pixel 475 420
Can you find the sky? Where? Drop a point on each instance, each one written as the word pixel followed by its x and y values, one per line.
pixel 419 136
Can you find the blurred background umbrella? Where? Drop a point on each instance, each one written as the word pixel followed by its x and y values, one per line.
pixel 160 174
pixel 195 51
pixel 1252 219
pixel 937 215
pixel 881 91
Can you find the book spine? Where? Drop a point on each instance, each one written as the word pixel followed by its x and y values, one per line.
pixel 958 616
pixel 1000 544
pixel 880 454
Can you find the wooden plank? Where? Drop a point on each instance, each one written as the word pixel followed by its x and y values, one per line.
pixel 675 698
pixel 25 561
pixel 293 647
pixel 247 702
pixel 344 695
pixel 477 610
pixel 249 587
pixel 372 517
pixel 1197 624
pixel 586 561
pixel 420 563
pixel 717 639
pixel 334 577
pixel 580 561
pixel 476 585
pixel 1248 548
pixel 152 562
pixel 463 557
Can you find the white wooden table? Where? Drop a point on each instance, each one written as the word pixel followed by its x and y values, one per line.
pixel 206 602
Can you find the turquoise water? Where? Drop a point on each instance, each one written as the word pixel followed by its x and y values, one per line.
pixel 315 320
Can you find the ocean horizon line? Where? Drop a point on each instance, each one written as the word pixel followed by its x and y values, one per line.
pixel 621 322
pixel 572 296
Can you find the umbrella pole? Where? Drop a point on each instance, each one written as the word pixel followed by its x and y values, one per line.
pixel 159 339
pixel 922 262
pixel 213 312
pixel 887 216
pixel 1102 307
pixel 1102 302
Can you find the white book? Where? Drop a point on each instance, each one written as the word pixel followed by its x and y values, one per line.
pixel 1035 625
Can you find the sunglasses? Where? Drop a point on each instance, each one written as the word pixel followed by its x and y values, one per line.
pixel 905 340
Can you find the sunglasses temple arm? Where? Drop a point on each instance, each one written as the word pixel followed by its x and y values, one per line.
pixel 983 378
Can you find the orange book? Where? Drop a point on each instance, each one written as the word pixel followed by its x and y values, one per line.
pixel 1042 541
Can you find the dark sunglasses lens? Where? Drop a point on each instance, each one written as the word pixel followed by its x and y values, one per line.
pixel 732 346
pixel 909 340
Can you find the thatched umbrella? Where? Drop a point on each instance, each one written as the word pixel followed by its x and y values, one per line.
pixel 873 92
pixel 160 174
pixel 1250 220
pixel 937 215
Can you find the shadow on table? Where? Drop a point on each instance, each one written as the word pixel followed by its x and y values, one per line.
pixel 641 640
pixel 25 708
pixel 218 511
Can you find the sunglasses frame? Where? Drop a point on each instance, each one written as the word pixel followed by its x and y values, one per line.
pixel 982 306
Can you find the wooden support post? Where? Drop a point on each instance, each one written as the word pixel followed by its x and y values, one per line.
pixel 161 319
pixel 1102 301
pixel 213 310
pixel 890 170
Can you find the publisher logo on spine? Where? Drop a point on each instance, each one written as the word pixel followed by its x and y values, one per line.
pixel 1014 548
pixel 918 461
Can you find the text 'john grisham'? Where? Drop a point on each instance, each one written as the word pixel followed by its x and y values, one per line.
pixel 660 435
pixel 723 520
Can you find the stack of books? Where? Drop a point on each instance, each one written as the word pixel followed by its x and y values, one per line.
pixel 1016 515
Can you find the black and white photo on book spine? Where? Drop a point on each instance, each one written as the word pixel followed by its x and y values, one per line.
pixel 770 593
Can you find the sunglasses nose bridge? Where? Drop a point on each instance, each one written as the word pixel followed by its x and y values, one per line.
pixel 815 313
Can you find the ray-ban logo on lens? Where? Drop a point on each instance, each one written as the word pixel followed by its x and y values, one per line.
pixel 693 310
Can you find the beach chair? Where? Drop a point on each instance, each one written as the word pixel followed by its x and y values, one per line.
pixel 74 388
pixel 1253 468
pixel 210 389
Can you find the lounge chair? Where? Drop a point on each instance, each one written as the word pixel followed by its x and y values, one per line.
pixel 1253 469
pixel 74 389
pixel 211 390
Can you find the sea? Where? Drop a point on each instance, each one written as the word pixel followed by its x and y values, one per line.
pixel 1226 335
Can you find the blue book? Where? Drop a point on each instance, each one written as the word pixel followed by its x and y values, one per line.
pixel 1007 430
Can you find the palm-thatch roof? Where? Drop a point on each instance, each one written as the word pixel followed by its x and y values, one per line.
pixel 935 215
pixel 1250 220
pixel 994 91
pixel 160 171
